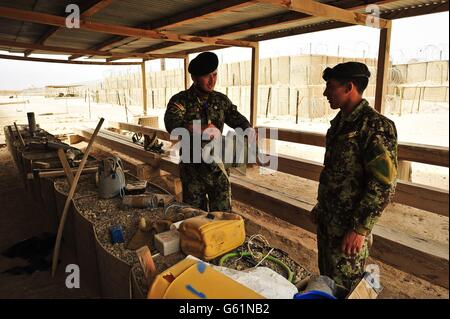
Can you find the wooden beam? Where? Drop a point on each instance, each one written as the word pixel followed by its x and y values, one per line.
pixel 318 9
pixel 421 153
pixel 419 196
pixel 254 86
pixel 205 11
pixel 382 69
pixel 65 165
pixel 422 197
pixel 43 18
pixel 410 11
pixel 21 58
pixel 287 18
pixel 116 142
pixel 187 77
pixel 145 130
pixel 279 20
pixel 413 255
pixel 94 8
pixel 144 88
pixel 14 44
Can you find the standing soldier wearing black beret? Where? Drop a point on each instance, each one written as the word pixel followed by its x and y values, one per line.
pixel 358 178
pixel 205 185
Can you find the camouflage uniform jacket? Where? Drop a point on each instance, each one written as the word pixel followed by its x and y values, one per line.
pixel 360 169
pixel 190 105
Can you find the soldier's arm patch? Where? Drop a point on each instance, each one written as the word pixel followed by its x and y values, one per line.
pixel 382 167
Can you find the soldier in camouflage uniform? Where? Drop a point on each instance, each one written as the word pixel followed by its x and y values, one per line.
pixel 358 178
pixel 205 186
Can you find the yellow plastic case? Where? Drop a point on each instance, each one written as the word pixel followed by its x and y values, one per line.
pixel 207 238
pixel 192 279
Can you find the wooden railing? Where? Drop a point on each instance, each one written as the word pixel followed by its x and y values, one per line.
pixel 428 198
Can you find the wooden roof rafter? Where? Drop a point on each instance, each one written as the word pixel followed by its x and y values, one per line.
pixel 208 10
pixel 438 6
pixel 318 9
pixel 46 60
pixel 63 50
pixel 279 19
pixel 93 7
pixel 42 18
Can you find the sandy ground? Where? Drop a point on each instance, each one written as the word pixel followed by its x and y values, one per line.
pixel 22 218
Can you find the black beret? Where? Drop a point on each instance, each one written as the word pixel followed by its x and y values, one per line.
pixel 347 70
pixel 204 63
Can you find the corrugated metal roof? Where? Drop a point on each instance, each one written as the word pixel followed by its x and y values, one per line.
pixel 140 13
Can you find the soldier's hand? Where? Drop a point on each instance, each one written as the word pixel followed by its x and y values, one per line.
pixel 352 243
pixel 212 132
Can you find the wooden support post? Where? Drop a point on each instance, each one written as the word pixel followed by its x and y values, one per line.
pixel 144 88
pixel 254 86
pixel 65 165
pixel 269 96
pixel 187 78
pixel 383 68
pixel 404 171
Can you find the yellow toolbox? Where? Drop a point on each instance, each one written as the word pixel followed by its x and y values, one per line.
pixel 193 279
pixel 208 237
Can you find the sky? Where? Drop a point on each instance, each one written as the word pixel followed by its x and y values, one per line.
pixel 422 38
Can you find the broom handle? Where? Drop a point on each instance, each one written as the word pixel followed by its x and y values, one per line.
pixel 70 196
pixel 22 142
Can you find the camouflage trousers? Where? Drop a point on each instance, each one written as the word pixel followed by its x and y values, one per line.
pixel 345 270
pixel 206 186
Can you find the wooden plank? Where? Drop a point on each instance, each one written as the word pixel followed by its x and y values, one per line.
pixel 97 6
pixel 165 163
pixel 295 136
pixel 144 88
pixel 254 86
pixel 43 18
pixel 146 130
pixel 413 255
pixel 423 197
pixel 297 167
pixel 65 165
pixel 187 77
pixel 420 196
pixel 421 153
pixel 279 19
pixel 40 47
pixel 204 11
pixel 382 69
pixel 317 9
pixel 316 27
pixel 22 58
